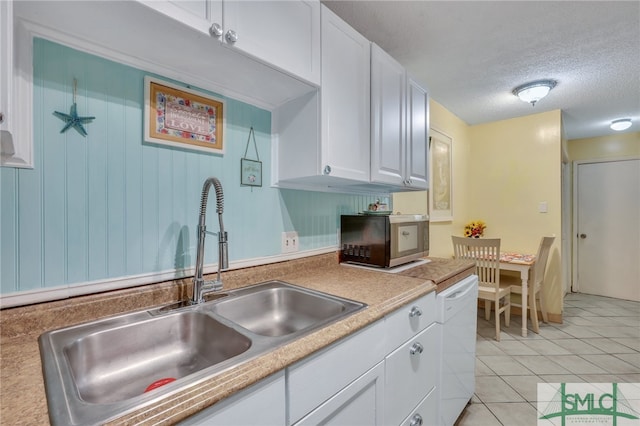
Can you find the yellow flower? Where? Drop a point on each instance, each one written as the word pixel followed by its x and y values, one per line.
pixel 474 228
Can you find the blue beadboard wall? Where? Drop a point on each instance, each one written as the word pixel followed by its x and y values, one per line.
pixel 109 205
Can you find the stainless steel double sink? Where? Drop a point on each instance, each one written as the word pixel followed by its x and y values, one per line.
pixel 100 370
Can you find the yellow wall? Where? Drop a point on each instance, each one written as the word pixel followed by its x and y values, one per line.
pixel 612 146
pixel 501 172
pixel 516 164
pixel 411 202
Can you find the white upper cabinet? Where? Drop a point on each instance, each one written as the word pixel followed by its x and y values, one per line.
pixel 6 79
pixel 400 123
pixel 417 135
pixel 388 122
pixel 172 39
pixel 282 33
pixel 197 14
pixel 322 139
pixel 16 147
pixel 345 100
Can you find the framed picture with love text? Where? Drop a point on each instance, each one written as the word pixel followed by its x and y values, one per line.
pixel 182 117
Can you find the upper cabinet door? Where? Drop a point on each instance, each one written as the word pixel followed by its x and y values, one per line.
pixel 6 64
pixel 388 118
pixel 345 117
pixel 197 14
pixel 16 144
pixel 283 33
pixel 417 135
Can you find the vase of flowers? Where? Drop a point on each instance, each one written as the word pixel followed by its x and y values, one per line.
pixel 474 229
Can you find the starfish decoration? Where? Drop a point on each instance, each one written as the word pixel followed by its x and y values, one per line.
pixel 72 119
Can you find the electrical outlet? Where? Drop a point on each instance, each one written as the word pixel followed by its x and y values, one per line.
pixel 289 242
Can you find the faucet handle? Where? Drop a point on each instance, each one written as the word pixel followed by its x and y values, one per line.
pixel 223 255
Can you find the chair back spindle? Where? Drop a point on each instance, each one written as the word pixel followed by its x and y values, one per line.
pixel 485 253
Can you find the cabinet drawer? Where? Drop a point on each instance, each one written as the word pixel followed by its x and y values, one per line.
pixel 266 397
pixel 427 410
pixel 411 372
pixel 410 320
pixel 357 404
pixel 319 377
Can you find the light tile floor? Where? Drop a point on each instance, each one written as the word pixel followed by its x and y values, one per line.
pixel 599 342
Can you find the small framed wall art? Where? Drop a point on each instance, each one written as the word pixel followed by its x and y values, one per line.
pixel 441 191
pixel 181 117
pixel 251 170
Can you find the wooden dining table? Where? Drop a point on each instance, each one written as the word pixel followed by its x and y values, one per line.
pixel 522 263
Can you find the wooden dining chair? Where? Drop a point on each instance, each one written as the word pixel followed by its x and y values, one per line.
pixel 536 281
pixel 485 252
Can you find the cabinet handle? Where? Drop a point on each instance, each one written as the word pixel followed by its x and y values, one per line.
pixel 215 30
pixel 416 348
pixel 415 312
pixel 231 36
pixel 1 117
pixel 416 420
pixel 327 170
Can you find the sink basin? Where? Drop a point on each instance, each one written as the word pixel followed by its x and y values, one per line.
pixel 97 371
pixel 120 363
pixel 279 309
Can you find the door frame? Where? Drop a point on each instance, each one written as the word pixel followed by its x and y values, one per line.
pixel 566 228
pixel 574 224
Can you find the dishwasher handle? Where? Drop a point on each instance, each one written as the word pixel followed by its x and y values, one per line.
pixel 461 293
pixel 454 295
pixel 459 297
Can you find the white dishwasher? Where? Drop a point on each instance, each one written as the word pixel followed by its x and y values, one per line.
pixel 457 310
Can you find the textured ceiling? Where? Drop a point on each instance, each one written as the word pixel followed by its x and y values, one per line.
pixel 471 54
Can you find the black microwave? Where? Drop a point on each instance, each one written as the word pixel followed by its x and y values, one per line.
pixel 383 240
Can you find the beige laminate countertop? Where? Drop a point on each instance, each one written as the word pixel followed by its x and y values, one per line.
pixel 22 394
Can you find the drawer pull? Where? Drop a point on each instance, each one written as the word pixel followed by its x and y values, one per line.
pixel 416 348
pixel 416 420
pixel 415 312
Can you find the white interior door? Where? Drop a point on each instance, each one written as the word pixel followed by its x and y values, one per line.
pixel 608 228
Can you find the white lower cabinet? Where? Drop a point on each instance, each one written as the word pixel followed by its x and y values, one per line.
pixel 411 373
pixel 319 377
pixel 359 404
pixel 423 413
pixel 262 403
pixel 385 374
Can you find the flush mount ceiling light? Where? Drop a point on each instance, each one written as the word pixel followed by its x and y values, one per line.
pixel 622 124
pixel 534 91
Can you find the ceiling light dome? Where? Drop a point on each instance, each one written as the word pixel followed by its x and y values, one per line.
pixel 621 124
pixel 534 91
